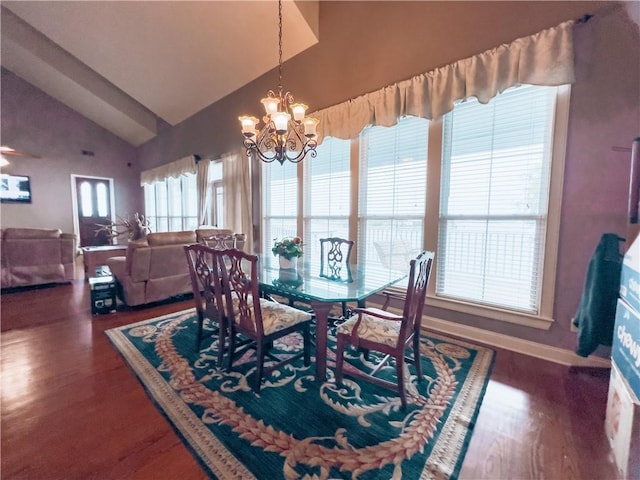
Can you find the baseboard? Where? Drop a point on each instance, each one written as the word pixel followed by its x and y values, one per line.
pixel 514 344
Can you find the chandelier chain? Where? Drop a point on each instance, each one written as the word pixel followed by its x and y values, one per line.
pixel 280 45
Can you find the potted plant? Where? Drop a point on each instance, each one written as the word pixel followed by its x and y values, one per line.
pixel 288 250
pixel 135 228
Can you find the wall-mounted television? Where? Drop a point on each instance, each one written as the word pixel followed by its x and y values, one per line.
pixel 15 188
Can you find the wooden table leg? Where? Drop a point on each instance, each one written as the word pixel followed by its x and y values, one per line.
pixel 321 309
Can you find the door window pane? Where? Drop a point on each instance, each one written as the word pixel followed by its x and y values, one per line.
pixel 102 196
pixel 86 199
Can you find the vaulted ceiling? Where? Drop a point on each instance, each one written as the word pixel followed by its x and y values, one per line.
pixel 125 65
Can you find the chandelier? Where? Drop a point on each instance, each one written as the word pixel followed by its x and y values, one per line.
pixel 283 136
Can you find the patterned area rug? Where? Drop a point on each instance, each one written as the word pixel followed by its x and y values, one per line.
pixel 297 428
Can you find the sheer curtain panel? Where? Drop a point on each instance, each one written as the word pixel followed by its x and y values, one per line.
pixel 202 168
pixel 237 195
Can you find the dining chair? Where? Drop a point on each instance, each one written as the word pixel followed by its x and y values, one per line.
pixel 223 241
pixel 203 271
pixel 373 329
pixel 261 320
pixel 335 254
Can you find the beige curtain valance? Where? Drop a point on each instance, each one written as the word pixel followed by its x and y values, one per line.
pixel 173 169
pixel 545 58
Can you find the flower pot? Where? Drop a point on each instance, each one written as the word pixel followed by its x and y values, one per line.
pixel 287 264
pixel 289 277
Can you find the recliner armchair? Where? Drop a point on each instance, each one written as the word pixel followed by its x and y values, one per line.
pixel 35 256
pixel 154 269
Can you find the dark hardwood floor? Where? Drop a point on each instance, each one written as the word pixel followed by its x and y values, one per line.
pixel 71 408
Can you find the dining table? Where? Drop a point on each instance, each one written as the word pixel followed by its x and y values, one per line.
pixel 321 286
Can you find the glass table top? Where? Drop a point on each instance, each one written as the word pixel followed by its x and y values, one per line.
pixel 314 281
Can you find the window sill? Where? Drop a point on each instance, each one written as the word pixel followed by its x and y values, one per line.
pixel 524 319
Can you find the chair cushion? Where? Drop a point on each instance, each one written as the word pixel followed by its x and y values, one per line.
pixel 373 329
pixel 277 316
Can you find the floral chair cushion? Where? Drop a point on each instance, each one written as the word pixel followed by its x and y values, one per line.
pixel 373 328
pixel 276 316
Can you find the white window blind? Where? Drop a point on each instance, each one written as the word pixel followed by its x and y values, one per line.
pixel 279 202
pixel 494 198
pixel 327 187
pixel 392 192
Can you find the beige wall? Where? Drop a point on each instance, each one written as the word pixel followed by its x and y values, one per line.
pixel 36 123
pixel 364 46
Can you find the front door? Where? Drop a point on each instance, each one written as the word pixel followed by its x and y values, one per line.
pixel 94 210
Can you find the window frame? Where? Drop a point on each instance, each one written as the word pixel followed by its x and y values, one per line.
pixel 544 319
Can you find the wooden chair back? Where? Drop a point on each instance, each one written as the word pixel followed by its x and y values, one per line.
pixel 335 255
pixel 205 285
pixel 239 276
pixel 224 241
pixel 419 273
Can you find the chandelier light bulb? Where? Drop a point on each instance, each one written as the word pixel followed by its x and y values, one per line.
pixel 281 121
pixel 270 104
pixel 310 125
pixel 298 110
pixel 248 125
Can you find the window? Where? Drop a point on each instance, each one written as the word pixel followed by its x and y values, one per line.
pixel 327 187
pixel 279 202
pixel 86 199
pixel 94 198
pixel 393 179
pixel 494 196
pixel 171 205
pixel 102 195
pixel 473 186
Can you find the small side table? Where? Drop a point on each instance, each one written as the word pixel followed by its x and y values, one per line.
pixel 97 256
pixel 103 292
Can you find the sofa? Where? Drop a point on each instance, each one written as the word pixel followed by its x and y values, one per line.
pixel 156 268
pixel 36 256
